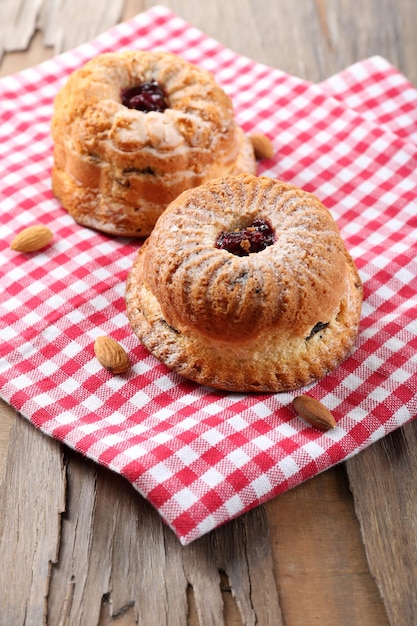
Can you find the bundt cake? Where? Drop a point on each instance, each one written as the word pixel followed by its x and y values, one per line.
pixel 132 130
pixel 246 285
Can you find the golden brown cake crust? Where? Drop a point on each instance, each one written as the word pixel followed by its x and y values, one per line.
pixel 115 168
pixel 271 321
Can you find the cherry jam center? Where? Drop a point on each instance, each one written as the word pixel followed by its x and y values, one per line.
pixel 148 96
pixel 254 238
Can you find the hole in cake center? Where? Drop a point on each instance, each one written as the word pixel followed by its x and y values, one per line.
pixel 147 96
pixel 253 238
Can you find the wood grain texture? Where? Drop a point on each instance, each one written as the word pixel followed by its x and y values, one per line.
pixel 312 39
pixel 32 501
pixel 7 419
pixel 387 514
pixel 64 24
pixel 320 563
pixel 114 551
pixel 80 546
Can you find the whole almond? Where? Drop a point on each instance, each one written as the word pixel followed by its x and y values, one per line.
pixel 314 412
pixel 32 239
pixel 262 146
pixel 111 355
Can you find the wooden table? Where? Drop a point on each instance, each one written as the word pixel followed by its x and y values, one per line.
pixel 79 546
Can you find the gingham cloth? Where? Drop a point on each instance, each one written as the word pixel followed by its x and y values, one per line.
pixel 200 456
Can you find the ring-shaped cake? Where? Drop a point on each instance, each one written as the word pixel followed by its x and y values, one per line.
pixel 246 285
pixel 134 129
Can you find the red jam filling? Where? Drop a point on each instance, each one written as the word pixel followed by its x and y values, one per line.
pixel 148 96
pixel 254 238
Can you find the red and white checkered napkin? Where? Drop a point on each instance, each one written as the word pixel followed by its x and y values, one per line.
pixel 200 456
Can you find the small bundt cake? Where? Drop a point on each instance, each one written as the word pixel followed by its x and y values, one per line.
pixel 134 129
pixel 245 285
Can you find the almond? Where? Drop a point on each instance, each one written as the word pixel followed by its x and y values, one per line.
pixel 314 412
pixel 111 355
pixel 262 146
pixel 32 239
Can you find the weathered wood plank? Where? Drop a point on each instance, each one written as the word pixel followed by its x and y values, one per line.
pixel 68 24
pixel 18 23
pixel 13 62
pixel 312 39
pixel 7 419
pixel 32 501
pixel 64 24
pixel 384 483
pixel 114 550
pixel 319 557
pixel 111 554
